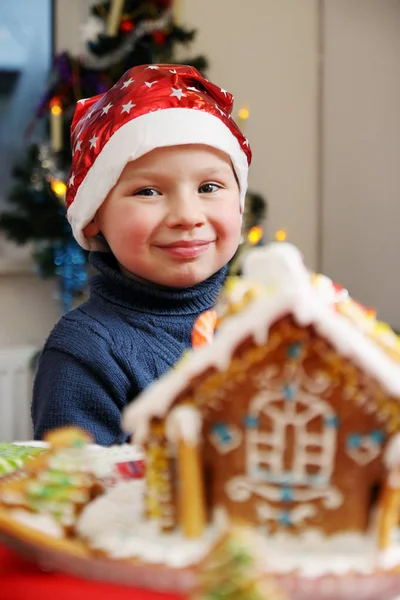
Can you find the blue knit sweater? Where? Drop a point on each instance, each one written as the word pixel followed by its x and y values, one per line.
pixel 104 353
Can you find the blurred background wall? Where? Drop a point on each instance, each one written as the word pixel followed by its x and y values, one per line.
pixel 360 128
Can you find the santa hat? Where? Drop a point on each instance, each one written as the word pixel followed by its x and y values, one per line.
pixel 151 106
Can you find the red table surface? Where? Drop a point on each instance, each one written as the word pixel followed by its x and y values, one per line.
pixel 21 579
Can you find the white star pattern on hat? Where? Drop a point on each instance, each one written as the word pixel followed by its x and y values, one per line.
pixel 150 83
pixel 194 89
pixel 152 67
pixel 82 101
pixel 127 107
pixel 219 109
pixel 106 108
pixel 224 91
pixel 71 179
pixel 89 115
pixel 177 93
pixel 78 146
pixel 93 141
pixel 246 143
pixel 173 71
pixel 128 82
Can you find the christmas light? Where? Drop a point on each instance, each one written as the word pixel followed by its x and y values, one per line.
pixel 58 187
pixel 280 235
pixel 56 124
pixel 127 26
pixel 242 116
pixel 255 234
pixel 177 11
pixel 244 113
pixel 114 17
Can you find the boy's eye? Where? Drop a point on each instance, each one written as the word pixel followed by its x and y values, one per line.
pixel 147 192
pixel 208 188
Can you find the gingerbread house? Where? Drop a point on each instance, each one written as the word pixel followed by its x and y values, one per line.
pixel 287 421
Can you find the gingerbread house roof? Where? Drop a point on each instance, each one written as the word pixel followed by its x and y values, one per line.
pixel 289 290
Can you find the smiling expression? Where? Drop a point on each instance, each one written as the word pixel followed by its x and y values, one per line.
pixel 173 217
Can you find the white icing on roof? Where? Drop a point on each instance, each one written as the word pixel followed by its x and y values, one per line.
pixel 280 267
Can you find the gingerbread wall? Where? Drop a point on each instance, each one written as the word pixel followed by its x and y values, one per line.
pixel 293 434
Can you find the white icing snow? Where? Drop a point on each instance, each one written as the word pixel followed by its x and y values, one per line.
pixel 102 459
pixel 392 452
pixel 280 267
pixel 313 554
pixel 390 558
pixel 115 523
pixel 184 423
pixel 99 460
pixel 41 522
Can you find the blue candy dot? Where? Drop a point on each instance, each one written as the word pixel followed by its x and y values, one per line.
pixel 294 350
pixel 284 518
pixel 289 392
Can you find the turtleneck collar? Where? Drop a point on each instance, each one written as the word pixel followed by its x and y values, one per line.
pixel 136 295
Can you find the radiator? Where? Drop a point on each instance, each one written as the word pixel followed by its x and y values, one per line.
pixel 16 377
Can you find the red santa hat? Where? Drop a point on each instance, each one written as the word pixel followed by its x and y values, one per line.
pixel 151 106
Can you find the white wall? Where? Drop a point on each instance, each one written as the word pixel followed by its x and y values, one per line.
pixel 28 309
pixel 70 15
pixel 361 151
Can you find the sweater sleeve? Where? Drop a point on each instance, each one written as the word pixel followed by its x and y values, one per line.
pixel 70 391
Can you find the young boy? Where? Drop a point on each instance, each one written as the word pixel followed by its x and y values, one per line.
pixel 156 192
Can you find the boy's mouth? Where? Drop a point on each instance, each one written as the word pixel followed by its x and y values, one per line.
pixel 186 249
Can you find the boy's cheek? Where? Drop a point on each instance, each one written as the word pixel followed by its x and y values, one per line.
pixel 232 224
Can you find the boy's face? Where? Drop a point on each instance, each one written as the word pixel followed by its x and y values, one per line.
pixel 174 216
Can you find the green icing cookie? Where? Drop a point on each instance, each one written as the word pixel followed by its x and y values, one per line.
pixel 13 457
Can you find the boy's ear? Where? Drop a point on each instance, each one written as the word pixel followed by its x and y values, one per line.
pixel 91 229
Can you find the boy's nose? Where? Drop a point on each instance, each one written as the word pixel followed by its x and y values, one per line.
pixel 186 211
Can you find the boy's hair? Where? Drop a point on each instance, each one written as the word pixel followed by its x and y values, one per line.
pixel 151 106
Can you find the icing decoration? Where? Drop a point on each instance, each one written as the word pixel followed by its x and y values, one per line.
pixel 235 569
pixel 114 463
pixel 286 493
pixel 287 518
pixel 364 448
pixel 332 421
pixel 58 483
pixel 267 473
pixel 313 554
pixel 115 524
pixel 280 266
pixel 289 392
pixel 14 457
pixel 237 293
pixel 294 351
pixel 203 329
pixel 266 450
pixel 241 488
pixel 53 493
pixel 184 423
pixel 251 421
pixel 44 523
pixel 225 437
pixel 133 469
pixel 392 452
